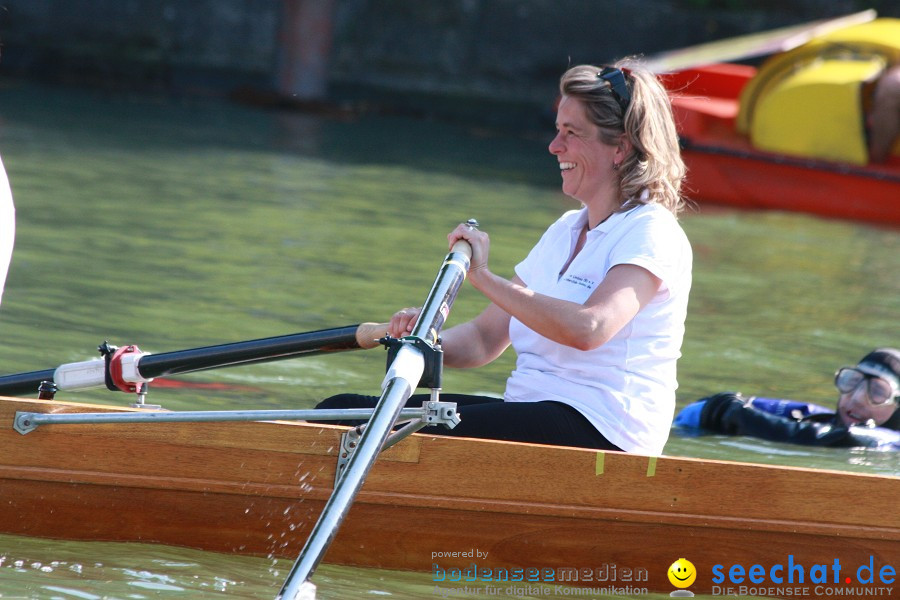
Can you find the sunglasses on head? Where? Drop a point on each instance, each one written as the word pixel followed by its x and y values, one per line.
pixel 616 80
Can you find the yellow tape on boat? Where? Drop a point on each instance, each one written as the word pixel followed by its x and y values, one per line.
pixel 601 462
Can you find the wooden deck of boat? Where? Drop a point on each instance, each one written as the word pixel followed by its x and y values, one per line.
pixel 257 488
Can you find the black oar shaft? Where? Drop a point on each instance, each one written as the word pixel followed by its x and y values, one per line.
pixel 22 384
pixel 337 339
pixel 241 353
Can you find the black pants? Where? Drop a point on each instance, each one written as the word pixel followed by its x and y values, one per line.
pixel 491 418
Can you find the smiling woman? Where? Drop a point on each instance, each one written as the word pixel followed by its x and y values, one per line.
pixel 596 310
pixel 644 139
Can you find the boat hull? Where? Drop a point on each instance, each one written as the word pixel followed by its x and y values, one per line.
pixel 725 169
pixel 615 519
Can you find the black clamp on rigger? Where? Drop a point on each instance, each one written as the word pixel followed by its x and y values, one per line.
pixel 432 374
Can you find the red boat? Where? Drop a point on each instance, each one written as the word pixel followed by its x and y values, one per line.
pixel 790 134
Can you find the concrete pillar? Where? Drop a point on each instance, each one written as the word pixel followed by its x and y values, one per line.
pixel 305 48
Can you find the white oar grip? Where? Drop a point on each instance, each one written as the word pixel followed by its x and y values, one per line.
pixel 463 247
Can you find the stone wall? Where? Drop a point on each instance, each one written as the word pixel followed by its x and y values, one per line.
pixel 140 43
pixel 427 55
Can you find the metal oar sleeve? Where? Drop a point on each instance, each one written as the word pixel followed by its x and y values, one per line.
pixel 394 397
pixel 443 292
pixel 403 377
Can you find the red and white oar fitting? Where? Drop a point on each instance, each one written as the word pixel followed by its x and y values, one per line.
pixel 117 370
pixel 123 370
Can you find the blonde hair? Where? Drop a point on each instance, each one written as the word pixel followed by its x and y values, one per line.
pixel 655 163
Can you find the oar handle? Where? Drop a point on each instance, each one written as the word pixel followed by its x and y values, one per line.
pixel 368 334
pixel 463 247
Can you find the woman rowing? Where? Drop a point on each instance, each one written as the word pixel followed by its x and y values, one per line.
pixel 596 311
pixel 867 413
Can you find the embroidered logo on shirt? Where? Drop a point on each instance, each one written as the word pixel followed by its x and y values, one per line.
pixel 582 281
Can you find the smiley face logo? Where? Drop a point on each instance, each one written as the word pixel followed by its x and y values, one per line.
pixel 682 573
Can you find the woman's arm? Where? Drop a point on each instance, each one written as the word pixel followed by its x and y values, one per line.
pixel 624 291
pixel 470 344
pixel 477 342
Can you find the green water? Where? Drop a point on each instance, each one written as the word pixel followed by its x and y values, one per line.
pixel 176 224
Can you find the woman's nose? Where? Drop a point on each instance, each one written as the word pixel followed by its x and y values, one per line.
pixel 556 144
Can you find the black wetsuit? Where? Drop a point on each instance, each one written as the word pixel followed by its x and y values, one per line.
pixel 785 421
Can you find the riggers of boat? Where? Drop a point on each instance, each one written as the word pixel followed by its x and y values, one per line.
pixel 442 505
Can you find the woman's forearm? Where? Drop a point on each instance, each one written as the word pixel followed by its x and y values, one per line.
pixel 476 342
pixel 624 291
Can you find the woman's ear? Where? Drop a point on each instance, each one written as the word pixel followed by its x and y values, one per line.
pixel 623 149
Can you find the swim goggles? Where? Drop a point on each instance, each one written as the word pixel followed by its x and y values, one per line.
pixel 879 389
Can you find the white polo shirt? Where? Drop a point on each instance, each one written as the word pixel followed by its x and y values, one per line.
pixel 626 387
pixel 7 226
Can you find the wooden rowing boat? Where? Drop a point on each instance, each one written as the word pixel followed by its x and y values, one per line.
pixel 257 488
pixel 713 104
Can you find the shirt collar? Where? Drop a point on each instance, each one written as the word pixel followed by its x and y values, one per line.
pixel 582 218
